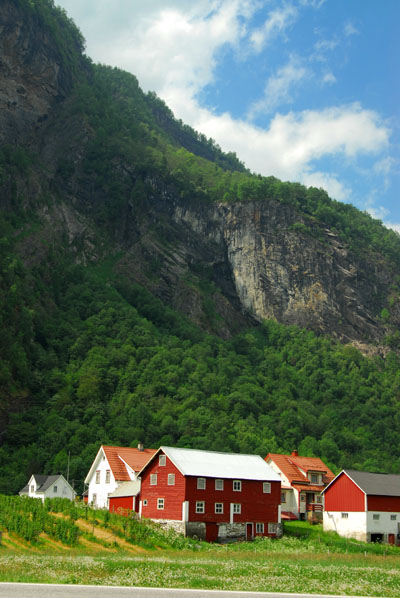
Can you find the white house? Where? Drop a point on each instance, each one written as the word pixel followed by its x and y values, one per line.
pixel 112 466
pixel 303 479
pixel 48 486
pixel 364 506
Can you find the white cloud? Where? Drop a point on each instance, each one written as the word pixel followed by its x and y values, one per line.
pixel 381 213
pixel 278 20
pixel 349 29
pixel 329 78
pixel 278 87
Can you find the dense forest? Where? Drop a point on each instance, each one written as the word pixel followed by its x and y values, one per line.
pixel 89 356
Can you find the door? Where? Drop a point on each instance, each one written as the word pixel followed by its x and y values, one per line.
pixel 211 532
pixel 249 531
pixel 391 538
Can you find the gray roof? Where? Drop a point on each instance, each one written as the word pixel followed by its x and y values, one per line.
pixel 378 484
pixel 42 481
pixel 127 489
pixel 220 465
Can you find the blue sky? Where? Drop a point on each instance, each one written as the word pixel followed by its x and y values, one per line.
pixel 305 90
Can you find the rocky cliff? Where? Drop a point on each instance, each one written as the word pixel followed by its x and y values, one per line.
pixel 225 265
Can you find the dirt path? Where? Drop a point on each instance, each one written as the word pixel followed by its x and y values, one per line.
pixel 108 536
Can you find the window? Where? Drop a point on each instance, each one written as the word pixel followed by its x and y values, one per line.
pixel 201 483
pixel 267 487
pixel 302 498
pixel 55 489
pixel 314 478
pixel 237 508
pixel 160 504
pixel 393 517
pixel 153 479
pixel 108 474
pixel 145 503
pixel 319 499
pixel 375 516
pixel 345 515
pixel 162 460
pixel 32 488
pixel 200 506
pixel 283 497
pixel 237 485
pixel 272 528
pixel 219 484
pixel 219 507
pixel 259 528
pixel 98 476
pixel 171 479
pixel 94 500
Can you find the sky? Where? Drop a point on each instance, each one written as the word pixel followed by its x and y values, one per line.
pixel 303 90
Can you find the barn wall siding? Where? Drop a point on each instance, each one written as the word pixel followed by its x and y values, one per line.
pixel 344 495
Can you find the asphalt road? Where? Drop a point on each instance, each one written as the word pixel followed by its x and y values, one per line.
pixel 27 590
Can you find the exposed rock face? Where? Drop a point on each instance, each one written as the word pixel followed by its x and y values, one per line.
pixel 226 266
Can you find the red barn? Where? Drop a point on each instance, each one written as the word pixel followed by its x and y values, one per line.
pixel 214 496
pixel 365 506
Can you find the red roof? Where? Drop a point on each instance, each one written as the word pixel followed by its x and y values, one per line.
pixel 136 459
pixel 291 466
pixel 288 516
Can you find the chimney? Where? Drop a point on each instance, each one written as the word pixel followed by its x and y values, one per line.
pixel 140 446
pixel 295 454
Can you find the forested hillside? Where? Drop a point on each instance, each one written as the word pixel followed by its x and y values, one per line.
pixel 131 306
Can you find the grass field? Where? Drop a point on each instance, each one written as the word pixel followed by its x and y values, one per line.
pixel 304 560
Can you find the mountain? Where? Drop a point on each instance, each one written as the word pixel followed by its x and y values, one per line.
pixel 153 289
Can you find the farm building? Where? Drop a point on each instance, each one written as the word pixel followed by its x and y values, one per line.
pixel 214 496
pixel 112 466
pixel 364 506
pixel 302 479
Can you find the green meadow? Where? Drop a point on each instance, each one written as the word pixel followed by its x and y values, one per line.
pixel 64 543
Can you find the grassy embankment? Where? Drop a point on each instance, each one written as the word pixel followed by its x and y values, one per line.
pixel 112 550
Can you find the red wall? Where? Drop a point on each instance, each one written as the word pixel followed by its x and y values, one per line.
pixel 173 495
pixel 121 502
pixel 384 503
pixel 344 495
pixel 256 506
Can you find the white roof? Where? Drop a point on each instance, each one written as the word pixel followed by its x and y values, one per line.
pixel 127 489
pixel 210 464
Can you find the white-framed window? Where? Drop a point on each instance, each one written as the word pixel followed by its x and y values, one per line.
pixel 200 506
pixel 376 516
pixel 302 498
pixel 283 497
pixel 272 528
pixel 32 489
pixel 171 479
pixel 267 487
pixel 393 517
pixel 219 507
pixel 345 515
pixel 237 485
pixel 94 499
pixel 55 489
pixel 237 508
pixel 219 484
pixel 259 528
pixel 162 460
pixel 108 476
pixel 145 503
pixel 201 483
pixel 153 479
pixel 319 499
pixel 314 478
pixel 160 504
pixel 98 476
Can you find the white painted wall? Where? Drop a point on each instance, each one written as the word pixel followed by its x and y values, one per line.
pixel 355 526
pixel 98 493
pixel 59 489
pixel 384 525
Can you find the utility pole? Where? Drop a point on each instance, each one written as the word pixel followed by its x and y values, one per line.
pixel 69 453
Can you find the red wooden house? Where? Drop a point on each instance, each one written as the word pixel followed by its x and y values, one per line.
pixel 365 506
pixel 214 496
